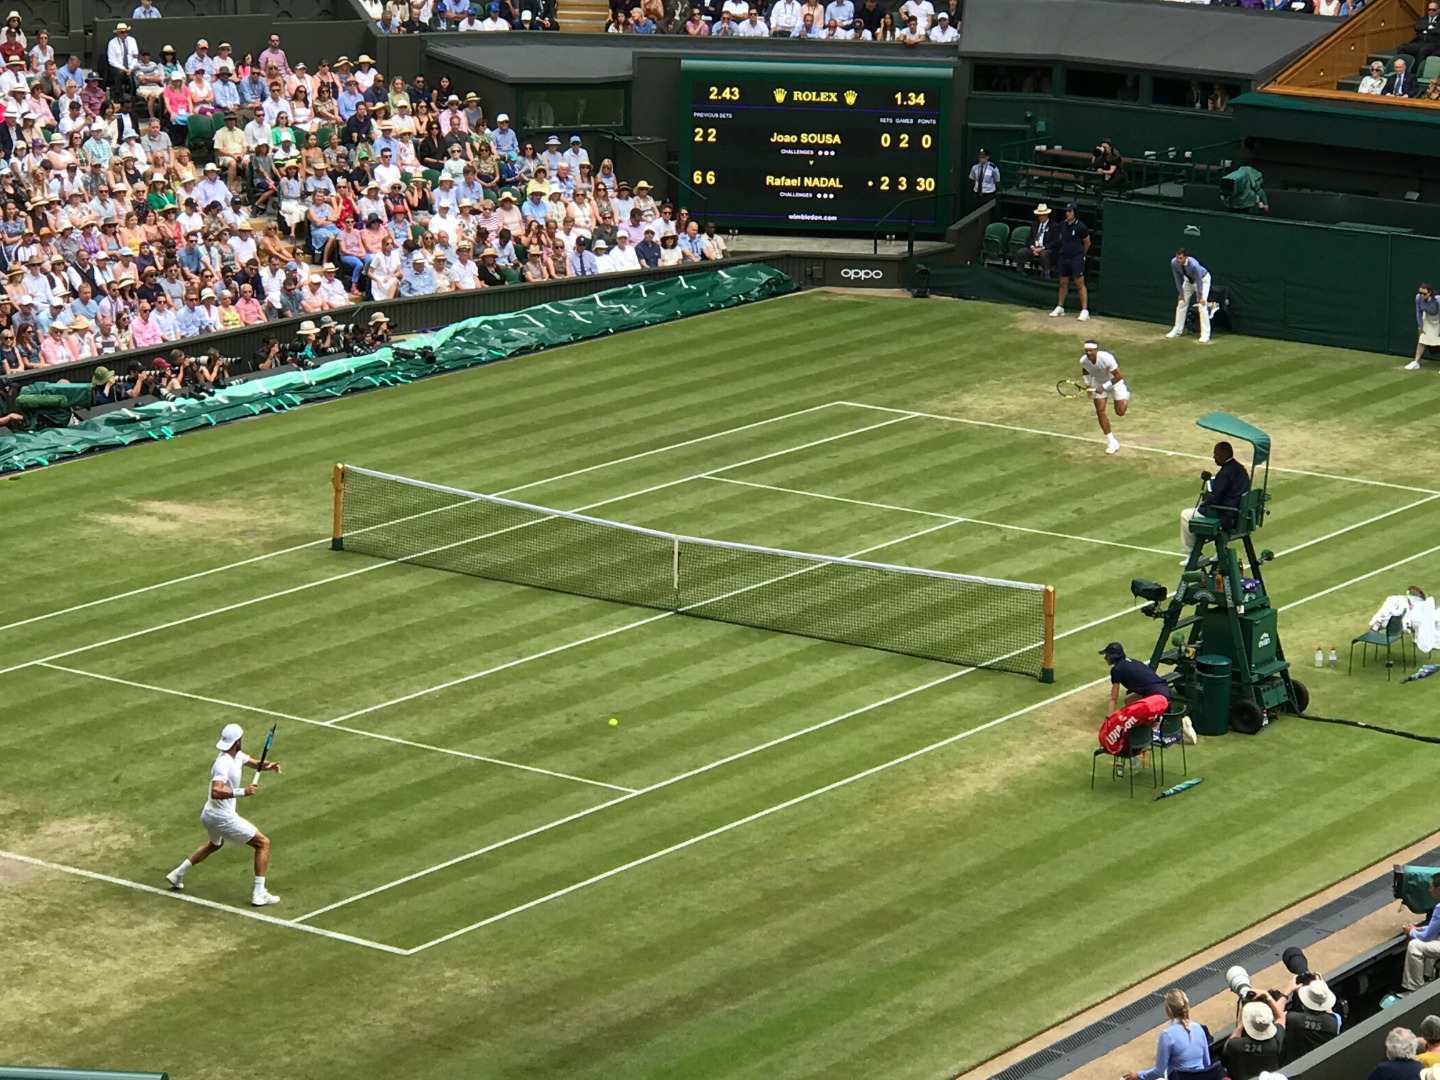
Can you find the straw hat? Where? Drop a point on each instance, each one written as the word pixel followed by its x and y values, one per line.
pixel 307 329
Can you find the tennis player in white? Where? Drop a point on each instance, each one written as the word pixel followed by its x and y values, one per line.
pixel 1103 381
pixel 222 822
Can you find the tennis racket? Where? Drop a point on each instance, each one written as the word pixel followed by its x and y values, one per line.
pixel 1069 388
pixel 264 753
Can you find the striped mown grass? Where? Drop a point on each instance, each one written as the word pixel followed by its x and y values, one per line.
pixel 790 858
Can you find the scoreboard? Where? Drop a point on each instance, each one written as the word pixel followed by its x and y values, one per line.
pixel 830 146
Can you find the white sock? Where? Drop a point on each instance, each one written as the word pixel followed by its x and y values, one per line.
pixel 259 885
pixel 179 871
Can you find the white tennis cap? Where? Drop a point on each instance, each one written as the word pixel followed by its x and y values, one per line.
pixel 229 736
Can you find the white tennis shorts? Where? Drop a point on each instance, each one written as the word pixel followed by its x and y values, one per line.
pixel 1119 391
pixel 232 827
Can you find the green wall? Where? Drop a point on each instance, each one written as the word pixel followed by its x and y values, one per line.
pixel 1079 123
pixel 1352 288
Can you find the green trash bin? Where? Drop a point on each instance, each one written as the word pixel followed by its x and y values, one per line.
pixel 1213 675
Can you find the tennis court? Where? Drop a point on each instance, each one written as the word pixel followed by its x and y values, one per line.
pixel 787 847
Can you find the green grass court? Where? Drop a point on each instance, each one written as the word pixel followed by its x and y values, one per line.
pixel 791 858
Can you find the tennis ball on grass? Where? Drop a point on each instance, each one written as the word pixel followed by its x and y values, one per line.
pixel 614 722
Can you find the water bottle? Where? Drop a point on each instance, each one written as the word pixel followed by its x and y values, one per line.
pixel 1319 656
pixel 1333 657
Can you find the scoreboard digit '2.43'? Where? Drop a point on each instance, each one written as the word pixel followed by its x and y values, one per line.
pixel 814 145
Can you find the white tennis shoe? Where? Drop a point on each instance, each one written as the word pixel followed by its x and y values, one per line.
pixel 177 882
pixel 1173 334
pixel 1084 314
pixel 1112 445
pixel 264 898
pixel 1414 365
pixel 1058 312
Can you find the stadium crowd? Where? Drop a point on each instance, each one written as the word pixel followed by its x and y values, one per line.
pixel 159 199
pixel 913 22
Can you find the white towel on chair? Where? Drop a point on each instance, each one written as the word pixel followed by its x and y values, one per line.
pixel 1394 605
pixel 1421 623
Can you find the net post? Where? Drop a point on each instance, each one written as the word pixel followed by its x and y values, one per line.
pixel 337 525
pixel 1047 666
pixel 675 568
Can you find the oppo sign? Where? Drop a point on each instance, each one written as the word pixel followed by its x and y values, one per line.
pixel 873 275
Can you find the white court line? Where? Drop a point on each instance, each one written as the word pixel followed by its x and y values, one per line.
pixel 392 562
pixel 325 541
pixel 321 723
pixel 948 517
pixel 727 760
pixel 1362 577
pixel 1129 446
pixel 1360 524
pixel 864 773
pixel 617 630
pixel 258 916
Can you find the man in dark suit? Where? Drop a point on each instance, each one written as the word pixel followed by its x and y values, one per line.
pixel 1044 242
pixel 1402 83
pixel 1427 38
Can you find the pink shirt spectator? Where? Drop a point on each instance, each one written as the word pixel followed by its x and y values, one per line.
pixel 145 333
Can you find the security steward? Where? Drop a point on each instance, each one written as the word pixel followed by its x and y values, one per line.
pixel 1139 679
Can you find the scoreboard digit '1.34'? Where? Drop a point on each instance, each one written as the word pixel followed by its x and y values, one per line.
pixel 814 145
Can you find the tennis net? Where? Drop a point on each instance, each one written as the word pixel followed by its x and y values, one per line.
pixel 956 618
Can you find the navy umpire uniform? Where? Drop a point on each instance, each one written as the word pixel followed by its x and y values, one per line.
pixel 1074 244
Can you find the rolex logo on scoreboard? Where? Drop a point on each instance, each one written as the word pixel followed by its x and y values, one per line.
pixel 779 95
pixel 851 97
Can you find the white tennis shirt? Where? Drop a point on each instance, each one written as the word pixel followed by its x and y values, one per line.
pixel 1102 369
pixel 227 770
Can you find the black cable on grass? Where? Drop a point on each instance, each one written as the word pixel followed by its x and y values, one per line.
pixel 1372 727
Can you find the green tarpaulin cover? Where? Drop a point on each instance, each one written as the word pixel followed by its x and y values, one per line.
pixel 461 345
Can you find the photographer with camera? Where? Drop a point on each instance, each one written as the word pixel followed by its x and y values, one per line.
pixel 269 355
pixel 214 371
pixel 1258 1043
pixel 1311 1018
pixel 304 351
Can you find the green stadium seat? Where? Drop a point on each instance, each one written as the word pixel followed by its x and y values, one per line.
pixel 1019 241
pixel 432 176
pixel 511 274
pixel 1430 69
pixel 993 244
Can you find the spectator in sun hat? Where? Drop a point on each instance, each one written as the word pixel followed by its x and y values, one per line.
pixel 505 140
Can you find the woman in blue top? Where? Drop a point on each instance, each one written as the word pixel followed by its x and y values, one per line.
pixel 1427 323
pixel 1184 1046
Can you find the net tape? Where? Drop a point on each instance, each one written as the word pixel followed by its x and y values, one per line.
pixel 955 618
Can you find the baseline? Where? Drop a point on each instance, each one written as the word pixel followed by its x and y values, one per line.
pixel 325 541
pixel 200 901
pixel 1130 446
